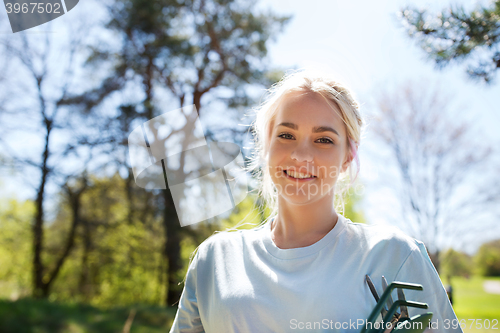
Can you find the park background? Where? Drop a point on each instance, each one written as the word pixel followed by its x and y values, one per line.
pixel 83 249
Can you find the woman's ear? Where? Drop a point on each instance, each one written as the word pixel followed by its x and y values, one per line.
pixel 350 155
pixel 347 161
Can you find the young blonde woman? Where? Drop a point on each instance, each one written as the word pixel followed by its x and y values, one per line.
pixel 304 269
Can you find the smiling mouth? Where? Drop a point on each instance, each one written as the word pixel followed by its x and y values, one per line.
pixel 298 175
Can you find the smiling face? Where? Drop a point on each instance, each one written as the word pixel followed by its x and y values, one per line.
pixel 307 148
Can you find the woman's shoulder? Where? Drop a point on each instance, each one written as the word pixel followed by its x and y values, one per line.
pixel 229 241
pixel 381 235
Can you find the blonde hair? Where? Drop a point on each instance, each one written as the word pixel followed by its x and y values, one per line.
pixel 333 92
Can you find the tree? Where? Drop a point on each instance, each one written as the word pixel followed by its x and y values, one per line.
pixel 43 139
pixel 182 52
pixel 437 159
pixel 488 259
pixel 41 75
pixel 455 263
pixel 455 36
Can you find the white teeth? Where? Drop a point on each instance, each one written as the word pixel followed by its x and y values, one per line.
pixel 298 174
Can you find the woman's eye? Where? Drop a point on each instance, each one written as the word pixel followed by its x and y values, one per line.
pixel 285 136
pixel 325 140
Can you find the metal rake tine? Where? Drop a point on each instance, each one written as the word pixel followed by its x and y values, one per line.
pixel 399 303
pixel 372 287
pixel 404 308
pixel 374 293
pixel 384 285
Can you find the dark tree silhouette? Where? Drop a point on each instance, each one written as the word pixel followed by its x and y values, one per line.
pixel 456 35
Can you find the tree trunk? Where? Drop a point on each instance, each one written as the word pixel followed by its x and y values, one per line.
pixel 38 244
pixel 42 288
pixel 38 269
pixel 172 249
pixel 75 207
pixel 130 198
pixel 197 100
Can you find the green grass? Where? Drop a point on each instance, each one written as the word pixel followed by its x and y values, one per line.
pixel 41 316
pixel 472 302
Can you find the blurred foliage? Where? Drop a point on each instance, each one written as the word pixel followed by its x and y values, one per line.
pixel 352 205
pixel 42 316
pixel 456 35
pixel 488 259
pixel 455 263
pixel 15 248
pixel 115 259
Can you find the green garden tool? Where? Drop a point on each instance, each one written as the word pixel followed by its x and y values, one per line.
pixel 392 320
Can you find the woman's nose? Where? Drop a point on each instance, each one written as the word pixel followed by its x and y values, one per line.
pixel 302 153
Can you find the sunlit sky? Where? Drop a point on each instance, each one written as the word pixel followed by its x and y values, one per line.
pixel 363 44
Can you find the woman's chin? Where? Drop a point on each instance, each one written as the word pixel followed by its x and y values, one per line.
pixel 301 194
pixel 301 199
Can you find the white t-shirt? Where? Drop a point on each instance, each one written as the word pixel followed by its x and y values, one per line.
pixel 242 282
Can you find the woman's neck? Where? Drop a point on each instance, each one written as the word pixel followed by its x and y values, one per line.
pixel 302 225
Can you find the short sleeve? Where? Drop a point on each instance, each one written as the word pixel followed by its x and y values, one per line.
pixel 418 268
pixel 187 318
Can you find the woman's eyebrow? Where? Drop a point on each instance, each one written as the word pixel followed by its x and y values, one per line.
pixel 324 129
pixel 289 125
pixel 318 129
